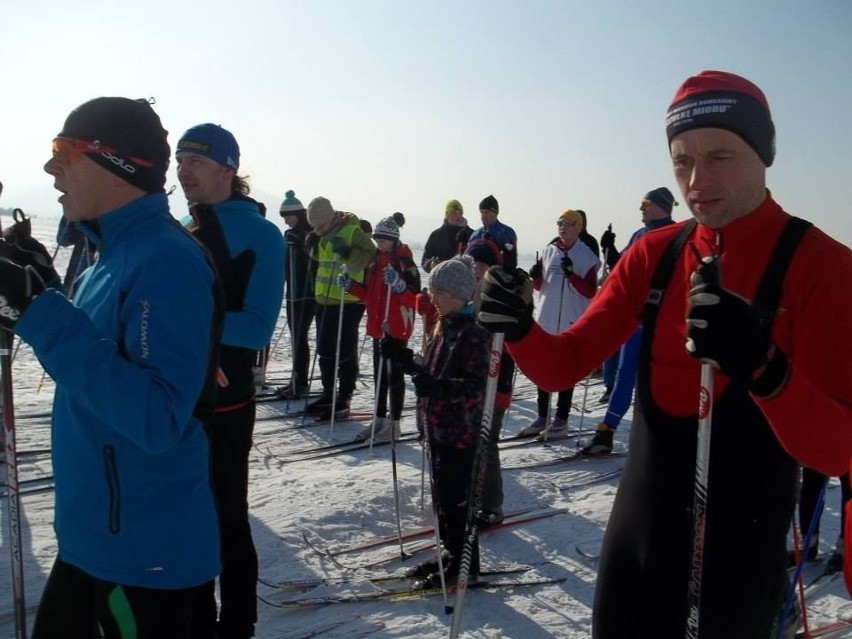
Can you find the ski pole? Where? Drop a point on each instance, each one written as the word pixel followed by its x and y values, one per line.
pixel 320 334
pixel 474 499
pixel 378 390
pixel 295 324
pixel 361 349
pixel 402 554
pixel 304 295
pixel 13 495
pixel 422 477
pixel 547 422
pixel 710 266
pixel 343 271
pixel 583 405
pixel 439 549
pixel 800 564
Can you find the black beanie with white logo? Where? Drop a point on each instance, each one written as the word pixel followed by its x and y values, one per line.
pixel 125 137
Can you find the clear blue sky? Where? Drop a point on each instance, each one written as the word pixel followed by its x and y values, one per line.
pixel 385 105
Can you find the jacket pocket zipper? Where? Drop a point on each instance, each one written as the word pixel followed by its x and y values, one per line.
pixel 114 489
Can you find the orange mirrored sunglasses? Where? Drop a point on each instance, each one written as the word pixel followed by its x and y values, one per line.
pixel 69 150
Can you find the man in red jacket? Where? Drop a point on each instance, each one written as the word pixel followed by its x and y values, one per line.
pixel 770 324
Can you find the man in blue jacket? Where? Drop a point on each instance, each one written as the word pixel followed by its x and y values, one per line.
pixel 656 208
pixel 135 518
pixel 248 251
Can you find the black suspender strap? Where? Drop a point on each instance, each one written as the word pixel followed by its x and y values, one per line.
pixel 768 295
pixel 663 272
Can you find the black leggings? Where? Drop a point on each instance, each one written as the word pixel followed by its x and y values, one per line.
pixel 76 605
pixel 451 471
pixel 397 382
pixel 230 435
pixel 563 402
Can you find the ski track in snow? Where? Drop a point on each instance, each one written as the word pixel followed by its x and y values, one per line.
pixel 345 498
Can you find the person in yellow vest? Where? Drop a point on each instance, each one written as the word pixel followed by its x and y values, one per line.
pixel 337 244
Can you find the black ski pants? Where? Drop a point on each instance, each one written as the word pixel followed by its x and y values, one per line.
pixel 75 605
pixel 299 319
pixel 327 320
pixel 230 434
pixel 451 473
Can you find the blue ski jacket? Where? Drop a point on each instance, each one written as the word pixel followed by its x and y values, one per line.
pixel 129 357
pixel 245 229
pixel 248 252
pixel 501 234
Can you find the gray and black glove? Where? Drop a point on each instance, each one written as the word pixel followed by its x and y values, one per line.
pixel 503 303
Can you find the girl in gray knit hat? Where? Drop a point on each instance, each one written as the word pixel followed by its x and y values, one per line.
pixel 450 387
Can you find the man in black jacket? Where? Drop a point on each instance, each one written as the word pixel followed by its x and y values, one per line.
pixel 449 239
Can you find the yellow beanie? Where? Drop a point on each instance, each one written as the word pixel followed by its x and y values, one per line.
pixel 453 205
pixel 574 216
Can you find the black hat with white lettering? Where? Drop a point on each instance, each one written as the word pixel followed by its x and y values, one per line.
pixel 125 137
pixel 717 99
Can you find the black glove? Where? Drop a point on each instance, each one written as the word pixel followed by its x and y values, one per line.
pixel 18 286
pixel 723 328
pixel 425 385
pixel 339 246
pixel 293 237
pixel 503 303
pixel 397 353
pixel 462 238
pixel 567 266
pixel 537 270
pixel 25 250
pixel 234 273
pixel 608 239
pixel 311 242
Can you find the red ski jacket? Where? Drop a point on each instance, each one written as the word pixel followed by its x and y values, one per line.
pixel 374 292
pixel 811 416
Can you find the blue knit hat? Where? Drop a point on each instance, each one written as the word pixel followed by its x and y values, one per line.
pixel 212 141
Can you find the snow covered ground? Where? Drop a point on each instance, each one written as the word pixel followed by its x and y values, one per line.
pixel 348 498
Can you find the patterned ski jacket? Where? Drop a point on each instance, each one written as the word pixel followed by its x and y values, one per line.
pixel 457 356
pixel 374 292
pixel 129 357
